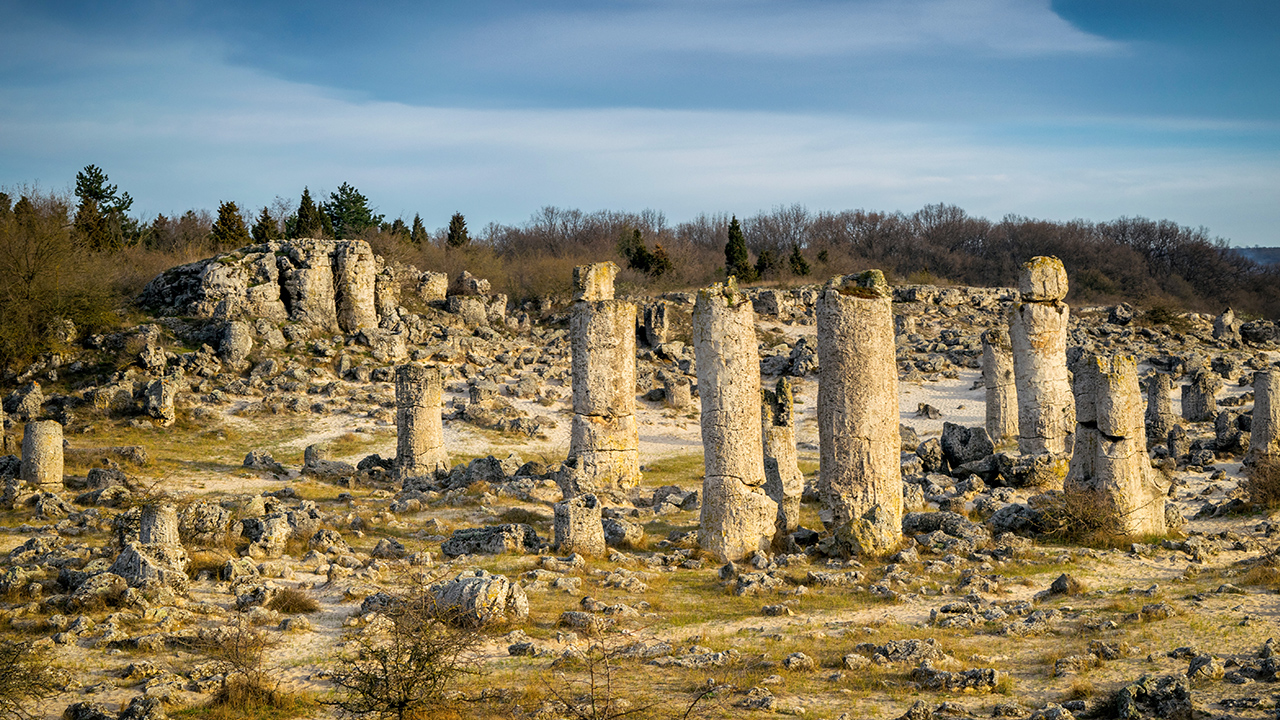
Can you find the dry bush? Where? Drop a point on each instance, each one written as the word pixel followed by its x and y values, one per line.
pixel 1263 483
pixel 25 676
pixel 248 683
pixel 1082 516
pixel 292 601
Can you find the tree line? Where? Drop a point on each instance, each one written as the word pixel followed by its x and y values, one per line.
pixel 84 259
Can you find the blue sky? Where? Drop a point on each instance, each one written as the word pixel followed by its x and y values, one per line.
pixel 495 108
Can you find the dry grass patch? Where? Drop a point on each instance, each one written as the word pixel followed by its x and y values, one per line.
pixel 292 601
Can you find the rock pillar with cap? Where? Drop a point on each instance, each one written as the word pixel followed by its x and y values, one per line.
pixel 1110 460
pixel 860 473
pixel 604 441
pixel 783 481
pixel 1038 338
pixel 1001 388
pixel 42 455
pixel 420 448
pixel 737 516
pixel 1264 443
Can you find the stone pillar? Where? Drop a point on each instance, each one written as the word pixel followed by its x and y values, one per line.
pixel 604 442
pixel 159 397
pixel 419 430
pixel 1159 416
pixel 1264 443
pixel 1038 337
pixel 737 517
pixel 656 323
pixel 1001 388
pixel 783 482
pixel 42 455
pixel 860 476
pixel 1200 397
pixel 1110 458
pixel 306 274
pixel 159 525
pixel 354 277
pixel 678 393
pixel 578 526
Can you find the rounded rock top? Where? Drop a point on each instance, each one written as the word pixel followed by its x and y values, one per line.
pixel 1043 279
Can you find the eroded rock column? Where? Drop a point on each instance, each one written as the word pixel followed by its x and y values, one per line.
pixel 42 455
pixel 420 448
pixel 579 527
pixel 1110 459
pixel 860 476
pixel 1200 396
pixel 355 273
pixel 1001 388
pixel 604 445
pixel 737 517
pixel 306 276
pixel 783 482
pixel 1038 337
pixel 1159 417
pixel 158 558
pixel 1264 443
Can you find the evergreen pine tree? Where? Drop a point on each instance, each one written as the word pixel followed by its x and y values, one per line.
pixel 399 230
pixel 418 234
pixel 766 263
pixel 265 230
pixel 349 213
pixel 736 260
pixel 228 231
pixel 457 235
pixel 659 262
pixel 799 266
pixel 309 221
pixel 100 221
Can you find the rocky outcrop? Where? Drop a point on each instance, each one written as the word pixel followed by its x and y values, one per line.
pixel 476 598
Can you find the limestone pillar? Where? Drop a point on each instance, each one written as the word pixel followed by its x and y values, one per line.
pixel 860 476
pixel 158 557
pixel 306 274
pixel 656 323
pixel 354 277
pixel 1038 337
pixel 783 482
pixel 1001 388
pixel 1159 417
pixel 1110 459
pixel 420 448
pixel 42 455
pixel 1264 443
pixel 604 442
pixel 159 525
pixel 578 526
pixel 1200 397
pixel 737 517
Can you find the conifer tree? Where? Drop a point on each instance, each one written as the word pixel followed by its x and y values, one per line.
pixel 349 213
pixel 736 260
pixel 399 230
pixel 310 220
pixel 228 231
pixel 418 234
pixel 265 230
pixel 100 221
pixel 659 262
pixel 799 266
pixel 457 235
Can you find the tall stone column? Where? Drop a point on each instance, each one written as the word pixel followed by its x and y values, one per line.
pixel 860 476
pixel 355 273
pixel 1159 417
pixel 42 455
pixel 1001 388
pixel 604 442
pixel 1038 337
pixel 1110 459
pixel 1264 443
pixel 1200 397
pixel 306 276
pixel 783 483
pixel 420 448
pixel 737 517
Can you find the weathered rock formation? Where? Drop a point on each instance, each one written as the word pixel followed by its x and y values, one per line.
pixel 354 271
pixel 1200 396
pixel 420 448
pixel 784 483
pixel 476 598
pixel 1159 417
pixel 737 517
pixel 860 474
pixel 578 526
pixel 42 455
pixel 604 445
pixel 1038 337
pixel 158 556
pixel 1264 443
pixel 1110 461
pixel 1000 385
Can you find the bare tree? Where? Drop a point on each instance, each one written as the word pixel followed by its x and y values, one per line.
pixel 25 676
